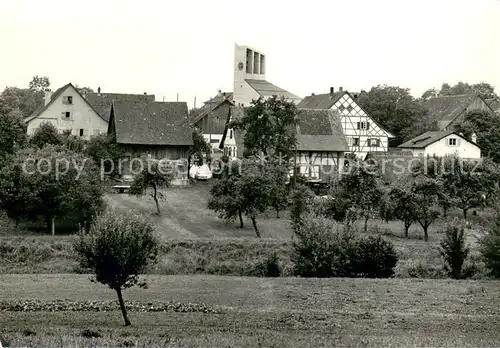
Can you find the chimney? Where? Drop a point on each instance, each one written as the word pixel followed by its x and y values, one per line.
pixel 313 94
pixel 48 96
pixel 145 93
pixel 341 89
pixel 99 90
pixel 474 138
pixel 219 93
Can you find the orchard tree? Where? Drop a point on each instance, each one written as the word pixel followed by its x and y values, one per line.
pixel 117 250
pixel 300 205
pixel 12 131
pixel 268 128
pixel 425 193
pixel 154 175
pixel 279 190
pixel 199 150
pixel 401 205
pixel 46 134
pixel 225 198
pixel 105 152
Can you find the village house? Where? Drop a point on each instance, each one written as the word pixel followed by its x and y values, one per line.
pixel 250 78
pixel 362 133
pixel 321 144
pixel 158 130
pixel 67 110
pixel 450 111
pixel 212 117
pixel 83 115
pixel 443 143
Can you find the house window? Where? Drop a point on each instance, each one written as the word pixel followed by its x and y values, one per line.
pixel 373 142
pixel 230 152
pixel 363 125
pixel 67 114
pixel 81 132
pixel 230 134
pixel 355 141
pixel 452 141
pixel 68 99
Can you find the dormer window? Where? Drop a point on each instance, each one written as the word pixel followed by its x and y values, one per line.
pixel 68 99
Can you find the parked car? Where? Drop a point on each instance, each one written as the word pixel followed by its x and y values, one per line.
pixel 203 173
pixel 192 171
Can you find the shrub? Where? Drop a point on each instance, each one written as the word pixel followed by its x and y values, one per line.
pixel 375 257
pixel 419 269
pixel 327 249
pixel 454 250
pixel 91 334
pixel 490 250
pixel 270 267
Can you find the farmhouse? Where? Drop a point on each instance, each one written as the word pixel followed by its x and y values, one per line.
pixel 67 110
pixel 450 111
pixel 321 144
pixel 363 134
pixel 159 130
pixel 442 143
pixel 250 78
pixel 211 118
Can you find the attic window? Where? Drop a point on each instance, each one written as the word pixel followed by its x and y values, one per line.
pixel 81 132
pixel 68 99
pixel 231 134
pixel 67 114
pixel 452 141
pixel 363 125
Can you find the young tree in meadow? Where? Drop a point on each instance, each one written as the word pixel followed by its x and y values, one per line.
pixel 400 205
pixel 155 175
pixel 279 190
pixel 225 198
pixel 117 250
pixel 46 134
pixel 300 205
pixel 425 195
pixel 199 150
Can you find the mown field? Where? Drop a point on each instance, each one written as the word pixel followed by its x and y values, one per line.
pixel 256 312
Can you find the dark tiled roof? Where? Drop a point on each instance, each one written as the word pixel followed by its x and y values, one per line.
pixel 44 107
pixel 320 101
pixel 208 107
pixel 267 89
pixel 152 123
pixel 426 139
pixel 445 109
pixel 101 102
pixel 218 98
pixel 320 130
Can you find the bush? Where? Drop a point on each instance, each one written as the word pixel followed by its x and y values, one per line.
pixel 419 269
pixel 375 257
pixel 91 334
pixel 454 250
pixel 327 249
pixel 490 250
pixel 270 267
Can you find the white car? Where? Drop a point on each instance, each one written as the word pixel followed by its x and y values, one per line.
pixel 203 173
pixel 192 171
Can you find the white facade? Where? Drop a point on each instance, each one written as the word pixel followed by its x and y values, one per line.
pixel 450 145
pixel 69 111
pixel 363 135
pixel 316 165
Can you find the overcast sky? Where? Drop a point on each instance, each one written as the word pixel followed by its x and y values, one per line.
pixel 186 47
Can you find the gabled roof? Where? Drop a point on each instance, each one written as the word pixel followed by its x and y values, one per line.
pixel 267 89
pixel 53 97
pixel 320 130
pixel 427 138
pixel 101 102
pixel 317 130
pixel 151 123
pixel 320 101
pixel 210 107
pixel 494 103
pixel 220 97
pixel 444 109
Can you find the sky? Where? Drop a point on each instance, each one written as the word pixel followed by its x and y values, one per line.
pixel 186 48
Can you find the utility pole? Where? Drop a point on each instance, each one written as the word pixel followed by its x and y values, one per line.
pixel 177 96
pixel 194 105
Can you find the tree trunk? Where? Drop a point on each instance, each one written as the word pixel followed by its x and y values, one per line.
pixel 277 213
pixel 445 211
pixel 53 226
pixel 241 219
pixel 426 234
pixel 156 200
pixel 407 227
pixel 257 232
pixel 465 210
pixel 189 167
pixel 122 307
pixel 366 224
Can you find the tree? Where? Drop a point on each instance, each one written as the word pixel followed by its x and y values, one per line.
pixel 46 134
pixel 12 131
pixel 268 128
pixel 400 205
pixel 431 92
pixel 425 195
pixel 23 99
pixel 39 83
pixel 118 249
pixel 279 189
pixel 300 203
pixel 485 90
pixel 84 90
pixel 105 152
pixel 454 249
pixel 489 247
pixel 362 191
pixel 225 199
pixel 50 182
pixel 486 126
pixel 73 142
pixel 199 150
pixel 396 110
pixel 155 175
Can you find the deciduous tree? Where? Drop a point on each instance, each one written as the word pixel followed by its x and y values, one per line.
pixel 12 131
pixel 46 134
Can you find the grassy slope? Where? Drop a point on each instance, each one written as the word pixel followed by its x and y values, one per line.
pixel 286 312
